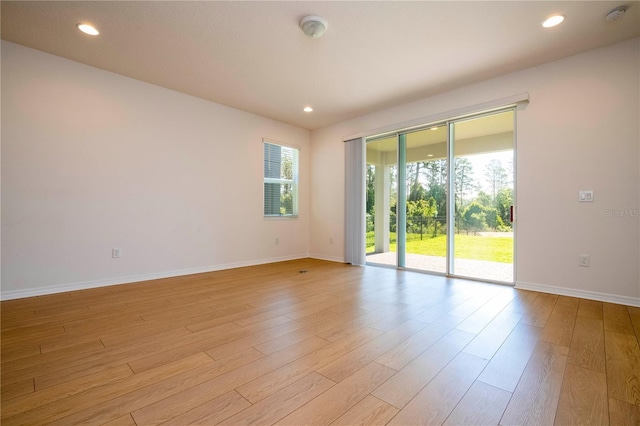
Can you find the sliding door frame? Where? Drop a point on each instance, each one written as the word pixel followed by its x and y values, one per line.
pixel 450 209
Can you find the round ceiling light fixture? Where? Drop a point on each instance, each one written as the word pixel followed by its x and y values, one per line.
pixel 307 109
pixel 314 26
pixel 553 21
pixel 615 14
pixel 87 29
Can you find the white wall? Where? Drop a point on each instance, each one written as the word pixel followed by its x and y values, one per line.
pixel 92 160
pixel 580 131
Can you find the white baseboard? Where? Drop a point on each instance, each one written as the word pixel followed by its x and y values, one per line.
pixel 582 294
pixel 85 285
pixel 327 258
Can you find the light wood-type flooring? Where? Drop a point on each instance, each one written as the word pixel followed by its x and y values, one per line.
pixel 315 342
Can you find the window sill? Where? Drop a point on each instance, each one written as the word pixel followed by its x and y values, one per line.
pixel 274 217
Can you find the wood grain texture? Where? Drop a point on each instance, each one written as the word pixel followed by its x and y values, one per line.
pixel 616 319
pixel 30 364
pixel 64 390
pixel 369 411
pixel 559 326
pixel 490 339
pixel 482 405
pixel 590 309
pixel 540 310
pixel 92 398
pixel 21 350
pixel 185 396
pixel 283 402
pixel 16 389
pixel 434 403
pixel 623 414
pixel 349 363
pixel 339 399
pixel 211 412
pixel 279 378
pixel 406 351
pixel 408 382
pixel 251 345
pixel 506 366
pixel 623 366
pixel 477 321
pixel 125 420
pixel 568 301
pixel 535 399
pixel 634 315
pixel 587 345
pixel 523 301
pixel 583 400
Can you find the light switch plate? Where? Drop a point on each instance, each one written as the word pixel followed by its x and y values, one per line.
pixel 585 196
pixel 583 260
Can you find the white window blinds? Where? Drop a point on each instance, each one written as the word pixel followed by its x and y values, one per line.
pixel 355 225
pixel 280 180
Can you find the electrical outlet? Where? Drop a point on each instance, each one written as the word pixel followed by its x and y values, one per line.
pixel 116 253
pixel 583 260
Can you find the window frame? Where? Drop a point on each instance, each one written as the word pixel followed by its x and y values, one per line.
pixel 294 181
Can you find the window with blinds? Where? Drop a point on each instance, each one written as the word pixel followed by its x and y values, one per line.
pixel 280 180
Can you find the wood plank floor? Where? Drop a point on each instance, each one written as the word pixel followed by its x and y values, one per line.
pixel 314 342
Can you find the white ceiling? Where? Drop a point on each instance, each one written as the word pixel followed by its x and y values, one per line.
pixel 252 55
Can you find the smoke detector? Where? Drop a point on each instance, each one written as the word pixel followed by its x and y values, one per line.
pixel 616 14
pixel 314 26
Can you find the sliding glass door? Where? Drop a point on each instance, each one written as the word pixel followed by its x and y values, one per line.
pixel 482 153
pixel 426 207
pixel 382 196
pixel 439 198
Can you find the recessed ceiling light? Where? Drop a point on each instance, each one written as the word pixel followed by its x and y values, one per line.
pixel 307 109
pixel 553 21
pixel 429 155
pixel 434 128
pixel 87 29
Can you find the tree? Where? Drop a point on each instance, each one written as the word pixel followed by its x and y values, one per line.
pixel 484 199
pixel 371 190
pixel 465 181
pixel 474 217
pixel 435 177
pixel 423 208
pixel 417 192
pixel 435 172
pixel 496 176
pixel 286 191
pixel 491 217
pixel 491 210
pixel 418 214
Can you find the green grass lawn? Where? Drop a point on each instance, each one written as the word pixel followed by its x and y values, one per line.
pixel 493 249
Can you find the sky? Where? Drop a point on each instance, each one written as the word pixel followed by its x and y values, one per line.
pixel 480 161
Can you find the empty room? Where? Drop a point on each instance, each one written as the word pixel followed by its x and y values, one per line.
pixel 314 212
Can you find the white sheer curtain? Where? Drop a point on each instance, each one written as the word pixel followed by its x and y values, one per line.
pixel 355 224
